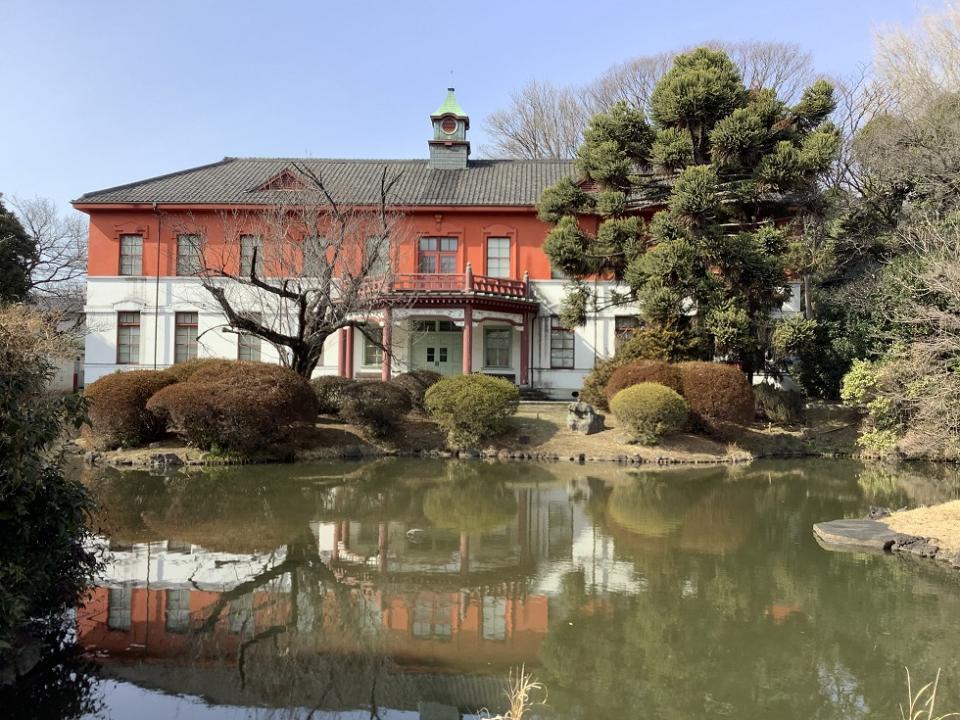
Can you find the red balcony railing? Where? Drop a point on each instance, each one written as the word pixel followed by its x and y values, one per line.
pixel 458 283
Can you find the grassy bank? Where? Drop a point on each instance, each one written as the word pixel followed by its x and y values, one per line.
pixel 940 522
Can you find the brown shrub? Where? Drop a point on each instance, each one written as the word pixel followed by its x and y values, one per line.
pixel 329 391
pixel 416 383
pixel 375 405
pixel 239 407
pixel 184 370
pixel 118 415
pixel 643 371
pixel 716 391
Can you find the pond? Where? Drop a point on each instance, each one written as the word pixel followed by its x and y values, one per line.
pixel 395 587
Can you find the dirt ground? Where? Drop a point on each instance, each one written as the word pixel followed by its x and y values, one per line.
pixel 940 521
pixel 540 428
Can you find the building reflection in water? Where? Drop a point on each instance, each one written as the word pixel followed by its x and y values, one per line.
pixel 444 612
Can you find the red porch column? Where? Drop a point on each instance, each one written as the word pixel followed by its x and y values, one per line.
pixel 464 552
pixel 525 350
pixel 382 547
pixel 349 341
pixel 342 353
pixel 387 343
pixel 335 553
pixel 467 339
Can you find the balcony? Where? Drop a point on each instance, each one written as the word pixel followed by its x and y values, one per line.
pixel 458 283
pixel 455 289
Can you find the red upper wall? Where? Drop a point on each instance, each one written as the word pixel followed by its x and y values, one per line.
pixel 471 226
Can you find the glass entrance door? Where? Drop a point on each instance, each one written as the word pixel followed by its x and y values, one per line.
pixel 436 345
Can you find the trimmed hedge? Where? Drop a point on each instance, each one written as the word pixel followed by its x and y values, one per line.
pixel 183 371
pixel 472 407
pixel 778 405
pixel 240 407
pixel 648 411
pixel 644 371
pixel 375 405
pixel 329 390
pixel 416 383
pixel 716 391
pixel 118 416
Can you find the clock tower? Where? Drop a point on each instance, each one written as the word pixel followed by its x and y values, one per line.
pixel 449 147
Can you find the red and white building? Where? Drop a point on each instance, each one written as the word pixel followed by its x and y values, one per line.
pixel 482 294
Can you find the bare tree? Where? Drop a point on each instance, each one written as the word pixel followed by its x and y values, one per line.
pixel 60 263
pixel 543 121
pixel 297 271
pixel 922 62
pixel 860 98
pixel 547 121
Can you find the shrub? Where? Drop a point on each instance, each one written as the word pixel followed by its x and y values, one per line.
pixel 778 405
pixel 375 405
pixel 183 371
pixel 47 560
pixel 471 407
pixel 594 388
pixel 716 391
pixel 118 415
pixel 416 383
pixel 650 410
pixel 643 371
pixel 329 390
pixel 240 407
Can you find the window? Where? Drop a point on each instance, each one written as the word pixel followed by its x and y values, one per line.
pixel 314 250
pixel 131 254
pixel 240 615
pixel 498 257
pixel 431 616
pixel 119 602
pixel 188 255
pixel 496 347
pixel 248 346
pixel 624 326
pixel 494 618
pixel 373 346
pixel 561 345
pixel 247 245
pixel 376 254
pixel 557 274
pixel 437 255
pixel 128 338
pixel 185 337
pixel 177 611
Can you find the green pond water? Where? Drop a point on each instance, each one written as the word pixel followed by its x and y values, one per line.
pixel 384 589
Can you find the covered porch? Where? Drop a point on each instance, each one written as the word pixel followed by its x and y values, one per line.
pixel 448 324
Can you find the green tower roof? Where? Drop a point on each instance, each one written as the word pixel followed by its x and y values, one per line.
pixel 450 106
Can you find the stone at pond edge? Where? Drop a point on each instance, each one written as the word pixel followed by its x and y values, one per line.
pixel 582 418
pixel 166 460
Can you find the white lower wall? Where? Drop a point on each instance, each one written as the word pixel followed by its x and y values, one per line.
pixel 159 301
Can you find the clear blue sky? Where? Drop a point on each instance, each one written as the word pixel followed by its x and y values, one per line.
pixel 102 93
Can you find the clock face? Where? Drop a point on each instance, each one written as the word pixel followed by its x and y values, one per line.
pixel 448 125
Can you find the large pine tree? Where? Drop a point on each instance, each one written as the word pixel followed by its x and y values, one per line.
pixel 17 248
pixel 729 167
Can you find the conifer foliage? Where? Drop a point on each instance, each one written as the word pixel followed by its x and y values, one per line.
pixel 730 166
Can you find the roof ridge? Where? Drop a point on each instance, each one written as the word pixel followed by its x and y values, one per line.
pixel 226 160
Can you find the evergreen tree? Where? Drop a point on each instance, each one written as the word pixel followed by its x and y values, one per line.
pixel 16 251
pixel 730 167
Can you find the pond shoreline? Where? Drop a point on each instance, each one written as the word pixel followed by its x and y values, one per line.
pixel 178 456
pixel 882 531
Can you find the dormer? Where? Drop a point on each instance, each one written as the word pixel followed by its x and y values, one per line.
pixel 449 148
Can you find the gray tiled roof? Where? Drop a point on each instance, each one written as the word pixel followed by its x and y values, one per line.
pixel 236 180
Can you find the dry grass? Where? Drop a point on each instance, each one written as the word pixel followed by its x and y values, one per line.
pixel 519 695
pixel 940 521
pixel 921 705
